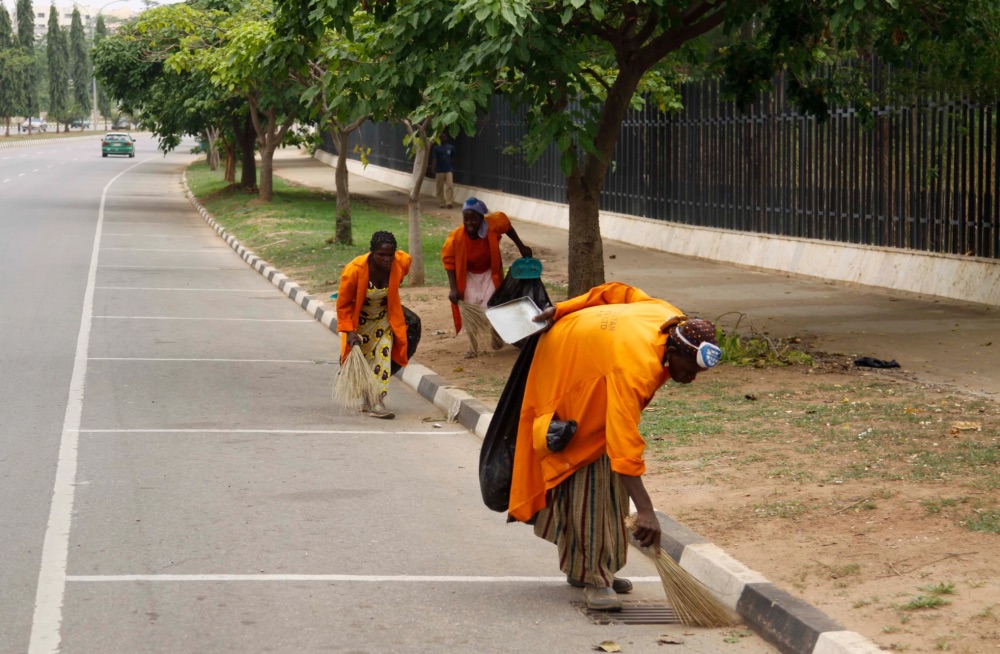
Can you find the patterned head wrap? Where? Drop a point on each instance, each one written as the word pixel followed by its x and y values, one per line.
pixel 696 338
pixel 475 204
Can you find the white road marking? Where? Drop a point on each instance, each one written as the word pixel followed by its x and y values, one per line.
pixel 195 290
pixel 6 180
pixel 175 267
pixel 153 222
pixel 223 319
pixel 36 170
pixel 354 578
pixel 226 249
pixel 315 361
pixel 47 619
pixel 321 432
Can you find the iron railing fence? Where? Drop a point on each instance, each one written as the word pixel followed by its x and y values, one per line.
pixel 923 177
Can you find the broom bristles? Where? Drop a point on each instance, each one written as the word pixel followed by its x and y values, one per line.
pixel 694 604
pixel 476 325
pixel 355 384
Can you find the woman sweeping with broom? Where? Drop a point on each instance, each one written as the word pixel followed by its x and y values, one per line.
pixel 370 318
pixel 471 257
pixel 600 364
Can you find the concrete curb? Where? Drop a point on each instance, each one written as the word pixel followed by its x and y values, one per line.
pixel 783 620
pixel 14 144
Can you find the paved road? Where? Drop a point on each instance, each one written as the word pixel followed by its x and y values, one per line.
pixel 180 482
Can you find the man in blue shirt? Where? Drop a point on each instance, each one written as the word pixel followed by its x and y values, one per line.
pixel 441 166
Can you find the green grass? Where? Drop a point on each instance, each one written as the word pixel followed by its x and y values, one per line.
pixel 922 602
pixel 294 231
pixel 939 589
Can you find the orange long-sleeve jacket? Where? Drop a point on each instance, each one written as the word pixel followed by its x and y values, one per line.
pixel 351 297
pixel 454 255
pixel 600 364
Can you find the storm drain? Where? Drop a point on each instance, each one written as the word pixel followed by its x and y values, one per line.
pixel 633 612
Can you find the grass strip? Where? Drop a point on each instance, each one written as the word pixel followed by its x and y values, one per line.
pixel 294 232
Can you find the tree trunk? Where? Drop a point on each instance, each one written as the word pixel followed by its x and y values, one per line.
pixel 230 175
pixel 266 190
pixel 211 137
pixel 246 140
pixel 584 186
pixel 344 233
pixel 586 249
pixel 269 137
pixel 413 205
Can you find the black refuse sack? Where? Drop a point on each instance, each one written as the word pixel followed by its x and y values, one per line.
pixel 496 458
pixel 559 434
pixel 513 288
pixel 872 362
pixel 413 331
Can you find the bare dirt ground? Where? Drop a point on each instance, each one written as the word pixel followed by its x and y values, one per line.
pixel 874 550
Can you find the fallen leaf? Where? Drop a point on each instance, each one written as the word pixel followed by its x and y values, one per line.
pixel 964 425
pixel 608 646
pixel 669 640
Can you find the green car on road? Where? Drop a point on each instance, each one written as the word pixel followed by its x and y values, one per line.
pixel 118 143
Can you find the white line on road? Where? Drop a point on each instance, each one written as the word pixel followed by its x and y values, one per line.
pixel 242 268
pixel 6 180
pixel 321 432
pixel 193 290
pixel 314 361
pixel 154 222
pixel 47 619
pixel 225 249
pixel 182 318
pixel 357 578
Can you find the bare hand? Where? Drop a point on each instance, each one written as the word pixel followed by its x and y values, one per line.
pixel 353 340
pixel 455 296
pixel 647 529
pixel 525 251
pixel 545 316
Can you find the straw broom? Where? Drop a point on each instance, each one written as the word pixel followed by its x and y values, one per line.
pixel 476 325
pixel 694 604
pixel 355 384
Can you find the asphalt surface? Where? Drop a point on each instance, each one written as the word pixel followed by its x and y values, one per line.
pixel 176 478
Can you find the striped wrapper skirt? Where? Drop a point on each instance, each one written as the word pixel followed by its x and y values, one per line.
pixel 585 518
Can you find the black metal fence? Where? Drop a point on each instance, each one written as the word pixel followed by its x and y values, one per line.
pixel 923 177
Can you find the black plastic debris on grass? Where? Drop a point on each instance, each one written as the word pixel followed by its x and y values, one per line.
pixel 872 362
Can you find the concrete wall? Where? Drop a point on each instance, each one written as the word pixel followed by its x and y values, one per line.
pixel 970 279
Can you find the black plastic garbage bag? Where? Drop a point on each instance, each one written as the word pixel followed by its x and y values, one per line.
pixel 872 362
pixel 496 458
pixel 413 331
pixel 513 288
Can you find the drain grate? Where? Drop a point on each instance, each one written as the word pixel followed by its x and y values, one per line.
pixel 633 612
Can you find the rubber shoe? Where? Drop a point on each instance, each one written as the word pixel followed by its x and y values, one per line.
pixel 601 599
pixel 619 585
pixel 379 411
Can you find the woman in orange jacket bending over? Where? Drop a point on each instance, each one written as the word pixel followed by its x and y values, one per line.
pixel 370 313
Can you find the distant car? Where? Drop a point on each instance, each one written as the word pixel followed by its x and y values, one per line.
pixel 122 123
pixel 37 125
pixel 77 123
pixel 117 143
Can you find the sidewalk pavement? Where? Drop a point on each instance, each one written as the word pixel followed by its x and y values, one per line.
pixel 940 342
